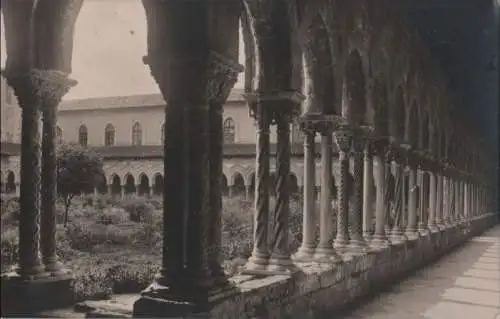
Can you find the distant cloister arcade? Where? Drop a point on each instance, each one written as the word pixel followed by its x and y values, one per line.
pixel 367 84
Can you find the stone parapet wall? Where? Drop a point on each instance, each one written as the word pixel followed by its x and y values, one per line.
pixel 318 290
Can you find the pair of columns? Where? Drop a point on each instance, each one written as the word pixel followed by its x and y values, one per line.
pixel 271 251
pixel 348 144
pixel 39 93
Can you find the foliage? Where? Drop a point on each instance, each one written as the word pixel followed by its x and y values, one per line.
pixel 115 246
pixel 79 170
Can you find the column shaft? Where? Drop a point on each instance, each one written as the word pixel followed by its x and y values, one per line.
pixel 379 237
pixel 431 222
pixel 342 239
pixel 357 240
pixel 367 193
pixel 439 200
pixel 280 256
pixel 412 202
pixel 308 216
pixel 260 254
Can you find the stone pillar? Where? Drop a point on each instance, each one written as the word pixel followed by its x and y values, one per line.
pixel 248 191
pixel 397 230
pixel 306 250
pixel 280 261
pixel 466 200
pixel 56 84
pixel 379 237
pixel 27 88
pixel 122 192
pixel 452 193
pixel 431 221
pixel 446 200
pixel 357 242
pixel 110 189
pixel 259 260
pixel 325 251
pixel 411 227
pixel 137 190
pixel 439 200
pixel 367 192
pixel 343 139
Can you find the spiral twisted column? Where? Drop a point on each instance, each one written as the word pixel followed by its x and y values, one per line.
pixel 307 249
pixel 280 257
pixel 379 237
pixel 367 191
pixel 431 221
pixel 357 242
pixel 411 227
pixel 55 85
pixel 259 260
pixel 397 230
pixel 343 138
pixel 29 89
pixel 325 251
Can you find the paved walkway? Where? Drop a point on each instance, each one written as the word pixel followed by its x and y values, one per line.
pixel 462 285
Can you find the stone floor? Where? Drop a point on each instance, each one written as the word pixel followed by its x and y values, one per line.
pixel 463 285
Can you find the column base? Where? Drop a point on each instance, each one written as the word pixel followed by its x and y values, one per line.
pixel 357 245
pixel 304 254
pixel 326 255
pixel 159 301
pixel 397 235
pixel 22 297
pixel 411 233
pixel 379 241
pixel 340 244
pixel 256 264
pixel 280 264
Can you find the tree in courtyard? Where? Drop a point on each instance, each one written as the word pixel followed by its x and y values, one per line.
pixel 79 171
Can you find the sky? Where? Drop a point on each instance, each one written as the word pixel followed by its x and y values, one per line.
pixel 109 43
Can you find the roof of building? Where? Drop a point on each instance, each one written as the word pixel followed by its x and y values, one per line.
pixel 138 100
pixel 156 151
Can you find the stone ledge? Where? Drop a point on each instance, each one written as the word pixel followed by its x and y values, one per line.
pixel 321 289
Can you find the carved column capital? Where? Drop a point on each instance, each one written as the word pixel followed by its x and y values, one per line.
pixel 222 75
pixel 278 104
pixel 43 86
pixel 343 137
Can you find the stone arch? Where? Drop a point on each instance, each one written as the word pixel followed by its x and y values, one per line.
pixel 116 185
pixel 129 185
pixel 158 184
pixel 238 184
pixel 381 113
pixel 355 89
pixel 143 187
pixel 412 125
pixel 224 186
pixel 10 183
pixel 319 68
pixel 398 115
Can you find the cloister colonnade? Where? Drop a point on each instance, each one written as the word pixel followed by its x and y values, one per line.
pixel 373 89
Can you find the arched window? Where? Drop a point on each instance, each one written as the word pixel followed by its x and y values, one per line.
pixel 83 135
pixel 163 134
pixel 136 134
pixel 59 134
pixel 229 129
pixel 109 135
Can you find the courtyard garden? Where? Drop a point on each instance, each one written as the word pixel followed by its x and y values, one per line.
pixel 115 246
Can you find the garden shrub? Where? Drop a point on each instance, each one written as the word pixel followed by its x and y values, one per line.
pixel 112 216
pixel 138 209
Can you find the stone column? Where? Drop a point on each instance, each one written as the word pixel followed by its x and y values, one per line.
pixel 452 193
pixel 411 227
pixel 431 222
pixel 280 261
pixel 446 200
pixel 29 89
pixel 55 84
pixel 379 237
pixel 122 192
pixel 259 260
pixel 306 250
pixel 367 192
pixel 248 191
pixel 110 189
pixel 343 139
pixel 439 200
pixel 325 251
pixel 397 230
pixel 223 75
pixel 466 200
pixel 357 242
